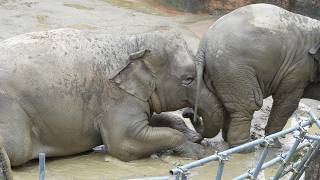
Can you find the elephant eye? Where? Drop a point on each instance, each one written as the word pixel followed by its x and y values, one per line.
pixel 188 81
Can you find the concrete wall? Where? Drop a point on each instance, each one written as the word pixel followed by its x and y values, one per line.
pixel 306 7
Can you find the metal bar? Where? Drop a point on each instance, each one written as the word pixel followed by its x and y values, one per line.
pixel 289 155
pixel 294 166
pixel 305 165
pixel 261 161
pixel 42 166
pixel 312 137
pixel 311 114
pixel 155 178
pixel 269 163
pixel 184 176
pixel 317 123
pixel 303 160
pixel 220 170
pixel 236 149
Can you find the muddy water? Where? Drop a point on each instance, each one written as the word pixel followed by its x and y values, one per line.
pixel 96 166
pixel 101 166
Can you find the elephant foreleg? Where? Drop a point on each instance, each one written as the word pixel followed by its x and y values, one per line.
pixel 129 136
pixel 175 122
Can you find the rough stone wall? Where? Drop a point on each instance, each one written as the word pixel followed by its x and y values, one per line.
pixel 229 5
pixel 306 7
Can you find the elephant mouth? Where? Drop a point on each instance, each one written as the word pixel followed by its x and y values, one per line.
pixel 213 118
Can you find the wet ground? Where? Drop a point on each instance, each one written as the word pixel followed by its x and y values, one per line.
pixel 101 166
pixel 121 17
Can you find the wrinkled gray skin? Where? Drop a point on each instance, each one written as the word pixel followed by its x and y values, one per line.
pixel 65 91
pixel 258 51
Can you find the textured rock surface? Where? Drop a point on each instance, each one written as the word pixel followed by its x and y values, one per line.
pixel 306 7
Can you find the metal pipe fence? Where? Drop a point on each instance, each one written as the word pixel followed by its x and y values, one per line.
pixel 303 140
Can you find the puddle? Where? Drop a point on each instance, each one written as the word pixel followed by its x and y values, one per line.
pixel 100 166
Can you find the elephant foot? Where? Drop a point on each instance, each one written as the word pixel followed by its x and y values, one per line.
pixel 193 136
pixel 247 150
pixel 275 144
pixel 193 150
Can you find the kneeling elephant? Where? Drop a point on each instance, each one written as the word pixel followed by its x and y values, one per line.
pixel 65 91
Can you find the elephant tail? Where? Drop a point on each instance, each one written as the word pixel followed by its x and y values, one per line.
pixel 5 168
pixel 199 69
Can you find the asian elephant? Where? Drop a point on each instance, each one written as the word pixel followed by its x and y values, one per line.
pixel 257 51
pixel 66 91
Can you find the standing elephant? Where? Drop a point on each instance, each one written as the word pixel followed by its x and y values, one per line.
pixel 258 51
pixel 65 91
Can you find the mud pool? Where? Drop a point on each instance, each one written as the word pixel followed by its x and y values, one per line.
pixel 122 17
pixel 96 166
pixel 99 166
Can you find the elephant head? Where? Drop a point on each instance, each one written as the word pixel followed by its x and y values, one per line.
pixel 162 72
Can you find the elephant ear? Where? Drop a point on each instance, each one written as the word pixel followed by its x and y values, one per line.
pixel 135 78
pixel 315 52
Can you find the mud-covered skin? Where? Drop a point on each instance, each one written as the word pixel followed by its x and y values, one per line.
pixel 254 52
pixel 65 91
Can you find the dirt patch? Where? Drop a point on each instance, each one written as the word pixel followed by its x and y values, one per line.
pixel 83 26
pixel 199 28
pixel 78 6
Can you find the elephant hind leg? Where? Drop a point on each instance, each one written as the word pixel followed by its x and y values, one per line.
pixel 239 90
pixel 15 131
pixel 284 104
pixel 5 168
pixel 286 99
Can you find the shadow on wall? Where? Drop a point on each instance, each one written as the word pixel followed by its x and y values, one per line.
pixel 305 7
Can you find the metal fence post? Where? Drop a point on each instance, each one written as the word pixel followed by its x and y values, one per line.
pixel 307 162
pixel 262 159
pixel 42 166
pixel 222 158
pixel 286 159
pixel 300 164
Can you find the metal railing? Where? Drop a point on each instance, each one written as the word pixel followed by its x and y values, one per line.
pixel 303 140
